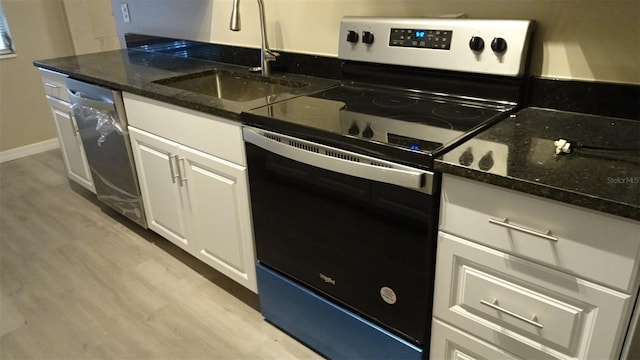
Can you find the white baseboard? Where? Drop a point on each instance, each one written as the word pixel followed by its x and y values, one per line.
pixel 30 149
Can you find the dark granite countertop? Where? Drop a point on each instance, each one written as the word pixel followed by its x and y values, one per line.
pixel 602 180
pixel 606 181
pixel 135 71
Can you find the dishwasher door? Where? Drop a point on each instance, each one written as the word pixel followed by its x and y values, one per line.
pixel 102 125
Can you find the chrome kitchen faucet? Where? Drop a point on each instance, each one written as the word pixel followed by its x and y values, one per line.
pixel 266 55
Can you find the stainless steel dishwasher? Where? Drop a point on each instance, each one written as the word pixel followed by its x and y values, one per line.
pixel 102 125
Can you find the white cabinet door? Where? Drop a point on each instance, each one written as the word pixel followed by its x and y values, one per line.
pixel 219 218
pixel 156 164
pixel 73 155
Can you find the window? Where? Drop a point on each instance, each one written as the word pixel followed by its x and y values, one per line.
pixel 5 38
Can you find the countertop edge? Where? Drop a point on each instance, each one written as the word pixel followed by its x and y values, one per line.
pixel 591 202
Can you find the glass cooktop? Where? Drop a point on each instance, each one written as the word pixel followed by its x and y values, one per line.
pixel 417 122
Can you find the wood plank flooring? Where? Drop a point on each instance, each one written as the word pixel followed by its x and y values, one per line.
pixel 77 281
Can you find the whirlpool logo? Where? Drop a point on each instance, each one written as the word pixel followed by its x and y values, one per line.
pixel 327 279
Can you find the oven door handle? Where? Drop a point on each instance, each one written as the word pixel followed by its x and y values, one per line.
pixel 340 161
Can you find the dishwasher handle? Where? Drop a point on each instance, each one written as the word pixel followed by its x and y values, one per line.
pixel 78 98
pixel 340 161
pixel 102 112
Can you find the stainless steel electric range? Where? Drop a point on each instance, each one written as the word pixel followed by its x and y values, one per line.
pixel 343 193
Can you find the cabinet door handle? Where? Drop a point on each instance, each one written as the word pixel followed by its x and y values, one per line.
pixel 505 223
pixel 52 85
pixel 182 170
pixel 173 171
pixel 494 305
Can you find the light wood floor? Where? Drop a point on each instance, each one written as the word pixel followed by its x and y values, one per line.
pixel 80 282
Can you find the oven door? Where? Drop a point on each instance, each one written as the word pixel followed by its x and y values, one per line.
pixel 333 221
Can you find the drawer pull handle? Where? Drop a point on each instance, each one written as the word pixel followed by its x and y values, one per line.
pixel 505 223
pixel 52 85
pixel 494 305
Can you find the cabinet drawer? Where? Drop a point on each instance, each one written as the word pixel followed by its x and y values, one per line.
pixel 54 84
pixel 449 343
pixel 519 307
pixel 596 246
pixel 210 134
pixel 524 307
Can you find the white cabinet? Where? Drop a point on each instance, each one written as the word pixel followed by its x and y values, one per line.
pixel 156 164
pixel 559 282
pixel 195 199
pixel 71 148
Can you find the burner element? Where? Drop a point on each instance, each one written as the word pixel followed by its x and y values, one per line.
pixel 458 112
pixel 424 120
pixel 394 101
pixel 307 109
pixel 342 94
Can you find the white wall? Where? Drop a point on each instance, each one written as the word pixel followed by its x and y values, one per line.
pixel 585 40
pixel 92 25
pixel 44 29
pixel 39 31
pixel 182 19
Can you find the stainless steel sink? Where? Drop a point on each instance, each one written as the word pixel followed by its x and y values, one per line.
pixel 230 85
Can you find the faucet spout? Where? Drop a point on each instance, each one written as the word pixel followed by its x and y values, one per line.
pixel 234 25
pixel 266 55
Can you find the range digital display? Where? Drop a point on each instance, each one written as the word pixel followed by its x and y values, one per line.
pixel 413 143
pixel 418 38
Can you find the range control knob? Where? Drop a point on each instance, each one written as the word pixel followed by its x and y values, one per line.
pixel 466 158
pixel 476 43
pixel 499 45
pixel 367 37
pixel 486 161
pixel 354 130
pixel 368 132
pixel 352 36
